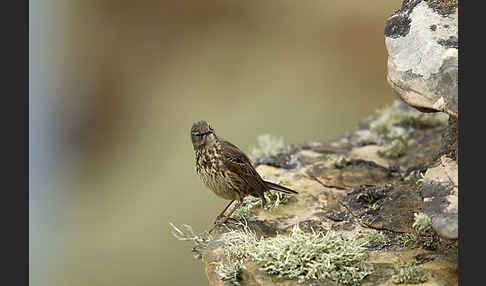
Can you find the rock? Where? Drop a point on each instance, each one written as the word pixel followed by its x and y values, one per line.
pixel 440 197
pixel 422 43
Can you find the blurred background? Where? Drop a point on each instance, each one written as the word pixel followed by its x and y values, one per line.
pixel 115 87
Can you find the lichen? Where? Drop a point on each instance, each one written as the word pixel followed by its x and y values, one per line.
pixel 444 7
pixel 229 272
pixel 245 211
pixel 394 122
pixel 267 145
pixel 422 222
pixel 372 237
pixel 309 256
pixel 186 233
pixel 273 200
pixel 408 240
pixel 394 125
pixel 413 176
pixel 410 274
pixel 393 149
pixel 239 244
pixel 301 255
pixel 335 161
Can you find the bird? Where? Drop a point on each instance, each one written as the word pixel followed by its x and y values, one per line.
pixel 226 170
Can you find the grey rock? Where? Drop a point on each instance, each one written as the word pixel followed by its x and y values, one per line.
pixel 422 43
pixel 440 197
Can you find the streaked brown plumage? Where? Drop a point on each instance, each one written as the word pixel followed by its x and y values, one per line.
pixel 226 170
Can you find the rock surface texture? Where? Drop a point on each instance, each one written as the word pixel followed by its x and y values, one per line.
pixel 388 191
pixel 422 43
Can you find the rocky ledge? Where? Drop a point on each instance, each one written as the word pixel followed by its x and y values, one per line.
pixel 374 208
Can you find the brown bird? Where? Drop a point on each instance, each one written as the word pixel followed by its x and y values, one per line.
pixel 226 170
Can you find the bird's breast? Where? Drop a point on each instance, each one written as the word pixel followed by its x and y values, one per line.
pixel 209 167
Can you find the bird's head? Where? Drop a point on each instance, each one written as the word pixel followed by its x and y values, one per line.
pixel 202 134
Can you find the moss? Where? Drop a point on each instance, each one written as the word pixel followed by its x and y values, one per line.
pixel 186 233
pixel 411 274
pixel 267 145
pixel 422 222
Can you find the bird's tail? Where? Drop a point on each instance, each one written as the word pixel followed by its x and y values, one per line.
pixel 279 188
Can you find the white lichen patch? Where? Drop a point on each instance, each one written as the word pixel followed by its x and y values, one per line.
pixel 229 272
pixel 308 256
pixel 422 222
pixel 267 145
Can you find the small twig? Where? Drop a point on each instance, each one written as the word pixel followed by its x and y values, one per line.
pixel 323 184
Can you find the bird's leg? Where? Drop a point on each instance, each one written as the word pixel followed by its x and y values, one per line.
pixel 237 205
pixel 222 213
pixel 227 217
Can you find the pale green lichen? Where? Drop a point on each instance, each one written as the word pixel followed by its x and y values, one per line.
pixel 301 255
pixel 273 200
pixel 422 222
pixel 239 244
pixel 229 272
pixel 413 176
pixel 374 236
pixel 393 149
pixel 410 274
pixel 393 122
pixel 267 145
pixel 309 256
pixel 335 161
pixel 186 233
pixel 245 211
pixel 408 240
pixel 394 125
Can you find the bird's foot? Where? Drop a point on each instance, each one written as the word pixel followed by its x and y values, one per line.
pixel 223 219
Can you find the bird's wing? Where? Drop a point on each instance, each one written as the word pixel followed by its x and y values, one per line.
pixel 237 162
